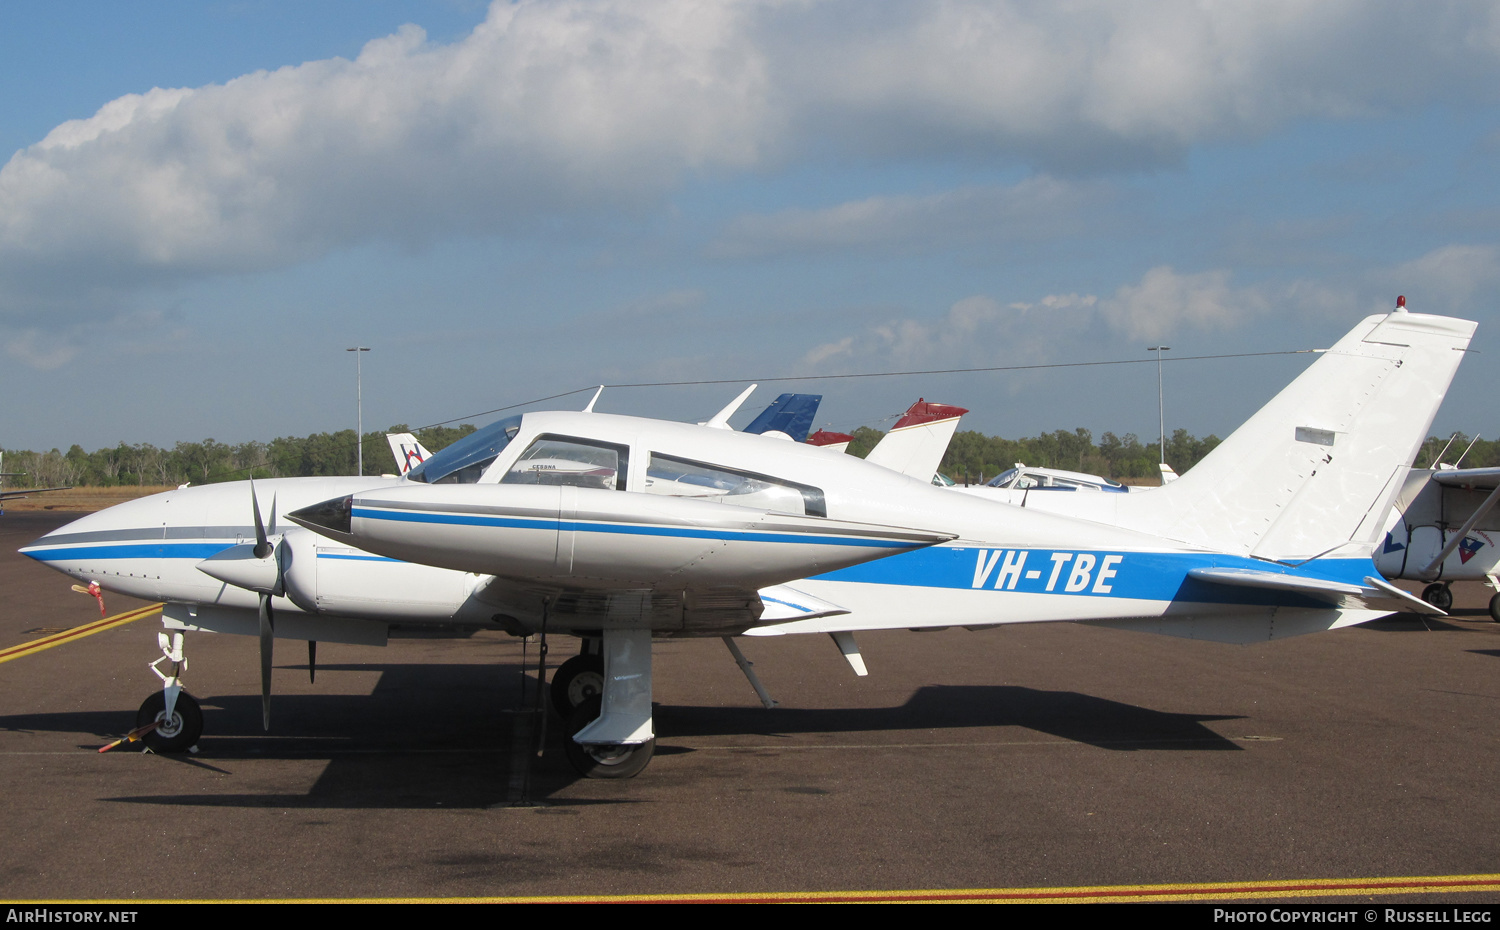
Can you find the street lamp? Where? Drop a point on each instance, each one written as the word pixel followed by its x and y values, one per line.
pixel 359 404
pixel 1160 408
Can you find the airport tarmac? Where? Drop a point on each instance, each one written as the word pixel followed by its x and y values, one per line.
pixel 1045 756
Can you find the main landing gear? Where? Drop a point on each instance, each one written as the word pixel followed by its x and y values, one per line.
pixel 178 719
pixel 1439 595
pixel 577 680
pixel 603 760
pixel 604 695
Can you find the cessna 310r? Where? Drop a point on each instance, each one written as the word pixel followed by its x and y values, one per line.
pixel 619 528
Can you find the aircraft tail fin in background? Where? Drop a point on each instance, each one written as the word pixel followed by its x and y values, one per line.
pixel 915 445
pixel 408 452
pixel 791 414
pixel 833 442
pixel 1313 473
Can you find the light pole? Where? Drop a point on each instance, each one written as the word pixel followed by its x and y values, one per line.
pixel 359 404
pixel 1160 407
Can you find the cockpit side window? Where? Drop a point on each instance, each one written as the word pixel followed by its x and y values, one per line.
pixel 566 460
pixel 465 461
pixel 678 477
pixel 1004 479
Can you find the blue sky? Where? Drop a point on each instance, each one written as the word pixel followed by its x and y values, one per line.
pixel 205 203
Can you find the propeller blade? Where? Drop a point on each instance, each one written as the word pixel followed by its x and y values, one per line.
pixel 262 545
pixel 267 637
pixel 312 661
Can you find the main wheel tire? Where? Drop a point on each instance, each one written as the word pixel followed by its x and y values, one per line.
pixel 603 761
pixel 171 735
pixel 575 681
pixel 1495 608
pixel 1438 595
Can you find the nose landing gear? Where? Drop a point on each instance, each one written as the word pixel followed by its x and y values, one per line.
pixel 178 719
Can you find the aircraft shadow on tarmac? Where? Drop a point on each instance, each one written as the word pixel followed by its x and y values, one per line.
pixel 415 743
pixel 1417 623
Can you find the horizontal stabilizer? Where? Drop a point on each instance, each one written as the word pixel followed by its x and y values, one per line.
pixel 1299 584
pixel 1374 594
pixel 1413 603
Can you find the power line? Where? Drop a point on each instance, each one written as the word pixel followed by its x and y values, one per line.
pixel 861 374
pixel 940 371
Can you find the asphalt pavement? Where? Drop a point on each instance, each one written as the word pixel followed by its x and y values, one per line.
pixel 1039 756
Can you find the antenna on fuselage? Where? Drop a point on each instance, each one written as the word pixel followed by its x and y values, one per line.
pixel 595 400
pixel 720 420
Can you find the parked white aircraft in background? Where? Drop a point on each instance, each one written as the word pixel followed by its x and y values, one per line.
pixel 1443 529
pixel 672 529
pixel 24 492
pixel 1027 478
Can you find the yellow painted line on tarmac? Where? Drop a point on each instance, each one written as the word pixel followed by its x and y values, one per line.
pixel 78 632
pixel 1089 894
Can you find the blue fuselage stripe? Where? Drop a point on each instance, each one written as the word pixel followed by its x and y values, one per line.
pixel 157 550
pixel 625 529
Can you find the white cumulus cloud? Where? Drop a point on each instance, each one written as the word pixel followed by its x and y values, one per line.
pixel 567 106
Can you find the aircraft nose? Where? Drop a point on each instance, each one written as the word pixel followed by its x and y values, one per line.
pixel 45 546
pixel 333 515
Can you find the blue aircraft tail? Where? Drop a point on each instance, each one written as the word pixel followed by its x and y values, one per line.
pixel 790 413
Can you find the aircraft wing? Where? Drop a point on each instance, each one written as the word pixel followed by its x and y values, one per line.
pixel 590 558
pixel 1471 479
pixel 720 610
pixel 22 492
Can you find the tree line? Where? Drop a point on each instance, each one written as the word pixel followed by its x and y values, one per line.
pixel 971 456
pixel 211 461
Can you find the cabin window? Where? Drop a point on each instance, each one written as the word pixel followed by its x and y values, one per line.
pixel 564 460
pixel 465 461
pixel 676 477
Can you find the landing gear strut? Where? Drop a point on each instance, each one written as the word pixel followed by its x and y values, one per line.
pixel 610 734
pixel 178 719
pixel 1438 595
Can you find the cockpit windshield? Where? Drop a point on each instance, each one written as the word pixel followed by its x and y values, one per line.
pixel 465 461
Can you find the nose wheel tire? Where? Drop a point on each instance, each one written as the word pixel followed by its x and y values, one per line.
pixel 575 681
pixel 603 761
pixel 1495 608
pixel 1438 595
pixel 174 734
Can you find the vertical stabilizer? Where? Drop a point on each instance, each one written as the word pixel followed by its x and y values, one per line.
pixel 915 445
pixel 408 452
pixel 1316 469
pixel 791 414
pixel 833 442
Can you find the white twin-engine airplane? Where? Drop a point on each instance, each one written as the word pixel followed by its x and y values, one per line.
pixel 670 529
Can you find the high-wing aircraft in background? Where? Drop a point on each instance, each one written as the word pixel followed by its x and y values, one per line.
pixel 23 492
pixel 672 529
pixel 1443 529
